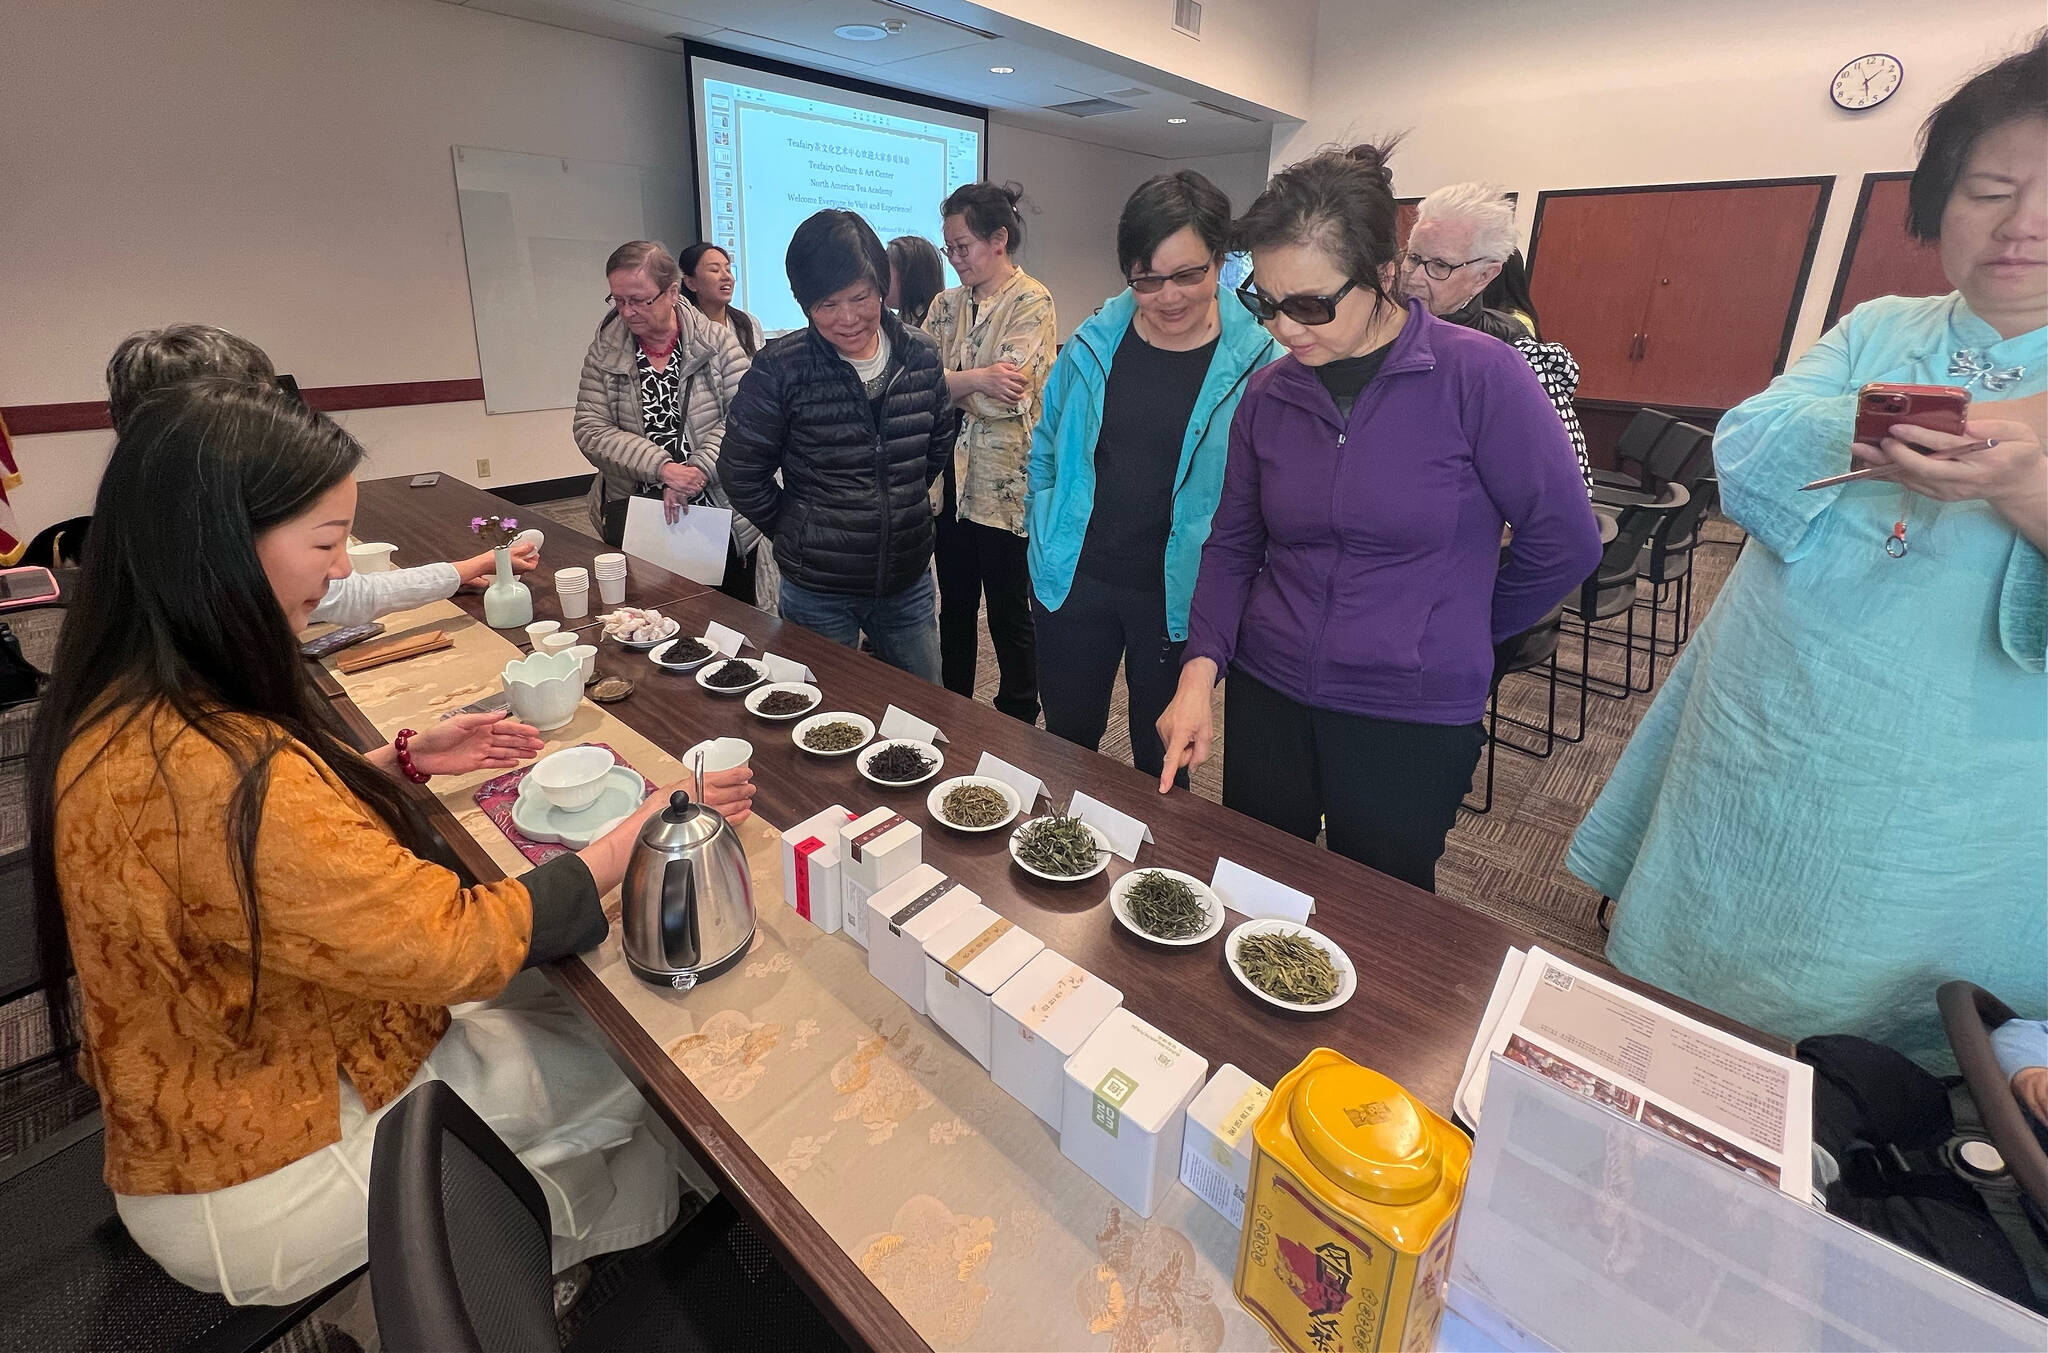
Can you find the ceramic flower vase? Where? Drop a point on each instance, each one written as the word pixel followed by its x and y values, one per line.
pixel 507 603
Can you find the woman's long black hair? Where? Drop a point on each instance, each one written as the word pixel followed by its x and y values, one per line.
pixel 173 609
pixel 1510 290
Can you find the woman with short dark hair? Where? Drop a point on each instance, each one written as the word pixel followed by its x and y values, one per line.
pixel 997 335
pixel 1836 802
pixel 916 276
pixel 1353 584
pixel 708 279
pixel 266 943
pixel 1127 461
pixel 852 413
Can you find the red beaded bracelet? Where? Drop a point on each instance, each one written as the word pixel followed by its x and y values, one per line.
pixel 412 772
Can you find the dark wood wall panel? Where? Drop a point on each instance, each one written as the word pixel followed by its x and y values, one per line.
pixel 1680 294
pixel 1880 258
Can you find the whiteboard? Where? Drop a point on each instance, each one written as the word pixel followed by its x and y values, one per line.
pixel 536 230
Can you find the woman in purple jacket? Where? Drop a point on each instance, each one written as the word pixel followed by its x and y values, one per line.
pixel 1353 584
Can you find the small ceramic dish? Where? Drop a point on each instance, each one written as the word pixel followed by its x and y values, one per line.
pixel 1119 907
pixel 621 791
pixel 572 778
pixel 643 645
pixel 875 749
pixel 936 802
pixel 1347 976
pixel 760 693
pixel 659 655
pixel 1102 854
pixel 704 673
pixel 865 725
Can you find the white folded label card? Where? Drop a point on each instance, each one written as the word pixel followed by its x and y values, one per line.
pixel 725 639
pixel 1125 832
pixel 785 669
pixel 897 724
pixel 1254 895
pixel 1027 785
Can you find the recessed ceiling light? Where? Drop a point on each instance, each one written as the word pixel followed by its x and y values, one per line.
pixel 1002 70
pixel 861 32
pixel 1176 121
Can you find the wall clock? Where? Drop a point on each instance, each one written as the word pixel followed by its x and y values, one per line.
pixel 1866 82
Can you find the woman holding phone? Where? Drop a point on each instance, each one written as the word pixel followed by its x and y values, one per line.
pixel 1836 802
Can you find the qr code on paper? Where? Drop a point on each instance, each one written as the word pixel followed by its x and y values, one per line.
pixel 1557 977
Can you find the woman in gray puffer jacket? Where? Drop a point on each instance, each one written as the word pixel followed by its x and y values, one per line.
pixel 651 406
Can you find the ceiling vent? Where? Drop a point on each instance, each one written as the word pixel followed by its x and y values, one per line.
pixel 1132 93
pixel 1227 112
pixel 1088 107
pixel 1187 17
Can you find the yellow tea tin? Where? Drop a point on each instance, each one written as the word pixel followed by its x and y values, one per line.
pixel 1354 1202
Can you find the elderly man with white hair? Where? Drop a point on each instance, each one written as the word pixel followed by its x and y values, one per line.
pixel 1462 234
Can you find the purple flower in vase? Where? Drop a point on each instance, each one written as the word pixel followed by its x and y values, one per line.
pixel 476 523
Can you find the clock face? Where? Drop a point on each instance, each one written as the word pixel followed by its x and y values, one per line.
pixel 1867 81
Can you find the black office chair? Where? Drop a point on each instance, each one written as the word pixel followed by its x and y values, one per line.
pixel 1610 591
pixel 1682 454
pixel 1533 648
pixel 72 1279
pixel 460 1257
pixel 1633 448
pixel 1666 565
pixel 58 546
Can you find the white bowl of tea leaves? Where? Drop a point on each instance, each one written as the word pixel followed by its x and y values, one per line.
pixel 974 803
pixel 1059 848
pixel 1290 966
pixel 1166 906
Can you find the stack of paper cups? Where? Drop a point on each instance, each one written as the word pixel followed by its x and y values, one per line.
pixel 572 589
pixel 611 578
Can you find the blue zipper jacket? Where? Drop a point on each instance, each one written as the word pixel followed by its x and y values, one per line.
pixel 1059 496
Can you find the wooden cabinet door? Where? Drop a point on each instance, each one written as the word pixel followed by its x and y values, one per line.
pixel 1730 269
pixel 1593 258
pixel 1881 259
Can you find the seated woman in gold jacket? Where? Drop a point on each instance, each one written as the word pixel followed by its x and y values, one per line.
pixel 266 948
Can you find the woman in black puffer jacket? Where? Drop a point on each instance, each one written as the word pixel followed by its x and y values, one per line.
pixel 852 409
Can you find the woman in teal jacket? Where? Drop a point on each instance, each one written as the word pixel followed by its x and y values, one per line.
pixel 1139 401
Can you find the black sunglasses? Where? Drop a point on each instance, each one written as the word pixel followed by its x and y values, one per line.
pixel 1311 310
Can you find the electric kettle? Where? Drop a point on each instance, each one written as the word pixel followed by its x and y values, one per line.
pixel 688 898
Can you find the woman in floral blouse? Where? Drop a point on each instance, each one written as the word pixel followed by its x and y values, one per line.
pixel 997 338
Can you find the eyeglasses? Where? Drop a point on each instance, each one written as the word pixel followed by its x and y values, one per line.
pixel 1302 309
pixel 1441 269
pixel 624 303
pixel 1186 277
pixel 958 251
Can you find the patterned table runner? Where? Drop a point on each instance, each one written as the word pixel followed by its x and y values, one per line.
pixel 951 1196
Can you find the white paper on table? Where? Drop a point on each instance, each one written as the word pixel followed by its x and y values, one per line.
pixel 724 640
pixel 1252 894
pixel 785 669
pixel 897 724
pixel 1466 1105
pixel 693 546
pixel 1027 785
pixel 1125 832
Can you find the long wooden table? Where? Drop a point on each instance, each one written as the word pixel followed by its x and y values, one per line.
pixel 1425 965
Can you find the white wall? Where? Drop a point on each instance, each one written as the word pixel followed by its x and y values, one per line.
pixel 1588 93
pixel 1260 50
pixel 1078 191
pixel 282 168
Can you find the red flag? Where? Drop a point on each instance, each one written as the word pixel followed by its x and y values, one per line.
pixel 11 543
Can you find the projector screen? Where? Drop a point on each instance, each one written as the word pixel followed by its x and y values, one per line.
pixel 773 147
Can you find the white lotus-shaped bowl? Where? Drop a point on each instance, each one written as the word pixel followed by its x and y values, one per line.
pixel 544 688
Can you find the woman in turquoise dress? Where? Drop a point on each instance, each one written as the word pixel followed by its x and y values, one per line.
pixel 1839 799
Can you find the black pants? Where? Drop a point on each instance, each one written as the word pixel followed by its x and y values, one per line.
pixel 1386 792
pixel 738 582
pixel 976 561
pixel 1079 647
